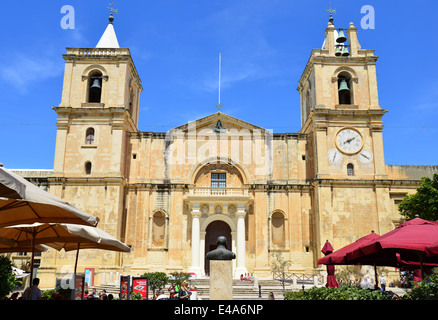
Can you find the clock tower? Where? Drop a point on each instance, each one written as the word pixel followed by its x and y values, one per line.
pixel 340 109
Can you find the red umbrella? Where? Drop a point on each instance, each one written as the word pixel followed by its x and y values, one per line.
pixel 432 250
pixel 407 242
pixel 339 256
pixel 331 279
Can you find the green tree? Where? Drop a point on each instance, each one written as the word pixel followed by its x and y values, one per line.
pixel 424 203
pixel 347 292
pixel 7 277
pixel 157 280
pixel 178 278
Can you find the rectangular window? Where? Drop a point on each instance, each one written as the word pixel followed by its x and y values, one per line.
pixel 218 180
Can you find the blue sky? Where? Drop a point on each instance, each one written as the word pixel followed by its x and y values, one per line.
pixel 175 44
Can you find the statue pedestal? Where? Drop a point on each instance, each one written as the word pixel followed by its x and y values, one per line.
pixel 221 280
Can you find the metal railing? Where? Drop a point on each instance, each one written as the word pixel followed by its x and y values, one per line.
pixel 301 278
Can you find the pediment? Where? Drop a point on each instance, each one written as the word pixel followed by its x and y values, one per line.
pixel 220 123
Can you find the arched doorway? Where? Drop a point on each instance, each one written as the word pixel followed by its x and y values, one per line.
pixel 212 232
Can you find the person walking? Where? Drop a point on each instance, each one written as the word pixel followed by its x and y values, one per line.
pixel 382 282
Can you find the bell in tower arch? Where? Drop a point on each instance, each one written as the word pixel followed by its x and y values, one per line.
pixel 344 92
pixel 95 90
pixel 96 84
pixel 343 86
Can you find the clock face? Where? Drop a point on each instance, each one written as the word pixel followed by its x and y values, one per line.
pixel 334 156
pixel 365 156
pixel 349 140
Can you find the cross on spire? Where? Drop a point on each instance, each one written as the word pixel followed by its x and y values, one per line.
pixel 111 8
pixel 331 11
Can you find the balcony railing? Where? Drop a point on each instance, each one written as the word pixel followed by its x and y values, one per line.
pixel 207 191
pixel 98 51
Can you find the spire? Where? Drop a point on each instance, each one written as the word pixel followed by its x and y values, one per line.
pixel 109 38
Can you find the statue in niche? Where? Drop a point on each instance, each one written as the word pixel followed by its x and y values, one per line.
pixel 221 252
pixel 219 128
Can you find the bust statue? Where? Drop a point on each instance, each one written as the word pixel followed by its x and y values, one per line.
pixel 221 253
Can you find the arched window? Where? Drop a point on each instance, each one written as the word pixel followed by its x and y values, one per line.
pixel 278 229
pixel 350 169
pixel 158 229
pixel 95 87
pixel 89 136
pixel 88 167
pixel 344 88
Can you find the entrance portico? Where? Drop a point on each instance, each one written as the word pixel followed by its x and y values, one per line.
pixel 228 207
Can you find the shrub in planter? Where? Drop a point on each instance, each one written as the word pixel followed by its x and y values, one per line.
pixel 424 290
pixel 348 292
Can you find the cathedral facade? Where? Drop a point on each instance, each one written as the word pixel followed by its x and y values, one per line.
pixel 170 195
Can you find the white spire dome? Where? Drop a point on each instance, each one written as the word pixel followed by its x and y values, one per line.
pixel 109 38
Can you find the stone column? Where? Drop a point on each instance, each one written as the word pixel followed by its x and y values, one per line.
pixel 240 256
pixel 196 238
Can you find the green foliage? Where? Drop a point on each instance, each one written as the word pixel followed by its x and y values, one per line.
pixel 347 292
pixel 424 290
pixel 136 296
pixel 157 280
pixel 48 294
pixel 7 278
pixel 424 203
pixel 178 278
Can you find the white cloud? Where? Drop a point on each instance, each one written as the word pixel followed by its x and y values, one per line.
pixel 24 69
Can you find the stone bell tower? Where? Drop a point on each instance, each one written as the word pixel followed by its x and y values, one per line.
pixel 98 110
pixel 342 119
pixel 99 105
pixel 340 108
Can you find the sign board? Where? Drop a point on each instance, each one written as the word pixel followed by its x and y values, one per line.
pixel 78 291
pixel 125 287
pixel 140 284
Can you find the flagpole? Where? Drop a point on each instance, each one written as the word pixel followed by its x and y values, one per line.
pixel 219 79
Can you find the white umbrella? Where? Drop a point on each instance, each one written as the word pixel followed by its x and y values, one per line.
pixel 9 245
pixel 30 235
pixel 62 236
pixel 106 242
pixel 21 202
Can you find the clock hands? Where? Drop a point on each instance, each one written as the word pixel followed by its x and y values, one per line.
pixel 349 140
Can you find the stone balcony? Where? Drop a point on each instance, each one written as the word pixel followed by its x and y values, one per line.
pixel 220 192
pixel 218 195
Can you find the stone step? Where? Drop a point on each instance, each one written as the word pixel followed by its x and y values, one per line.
pixel 242 290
